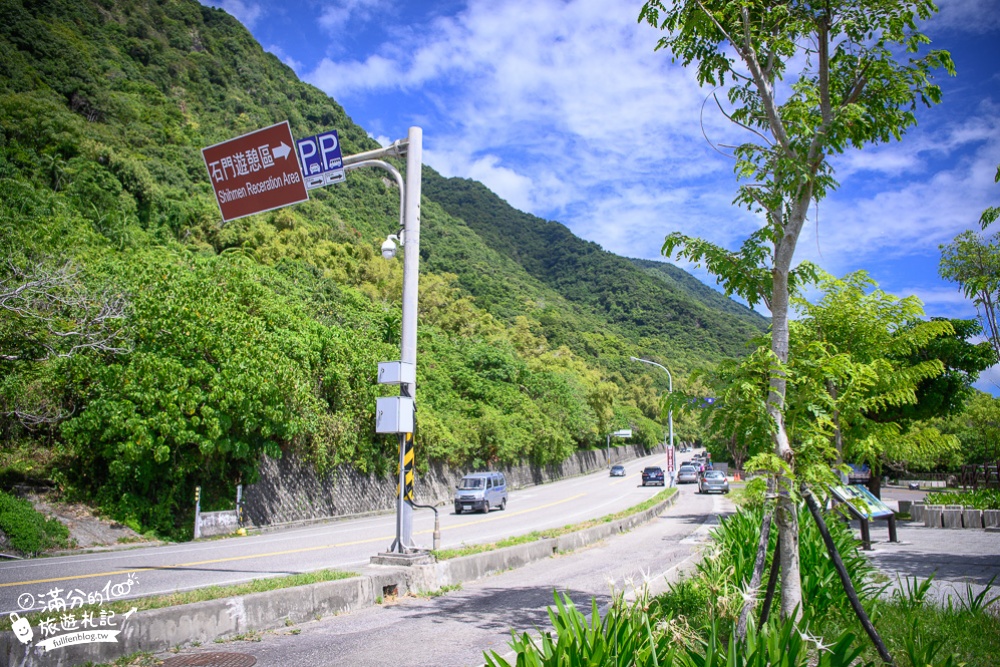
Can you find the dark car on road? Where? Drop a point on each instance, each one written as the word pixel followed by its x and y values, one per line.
pixel 617 471
pixel 652 475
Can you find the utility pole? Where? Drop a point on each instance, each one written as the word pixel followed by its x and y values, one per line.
pixel 396 414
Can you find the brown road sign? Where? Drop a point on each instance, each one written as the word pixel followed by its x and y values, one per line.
pixel 256 172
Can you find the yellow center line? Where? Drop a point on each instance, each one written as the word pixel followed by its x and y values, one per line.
pixel 272 553
pixel 625 479
pixel 518 513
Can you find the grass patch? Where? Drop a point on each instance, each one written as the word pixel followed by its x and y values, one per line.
pixel 28 530
pixel 140 659
pixel 199 595
pixel 972 636
pixel 444 590
pixel 534 536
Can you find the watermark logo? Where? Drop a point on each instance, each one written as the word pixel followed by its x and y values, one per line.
pixel 64 619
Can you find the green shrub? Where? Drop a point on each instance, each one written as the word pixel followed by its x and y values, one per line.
pixel 729 566
pixel 630 635
pixel 28 530
pixel 980 499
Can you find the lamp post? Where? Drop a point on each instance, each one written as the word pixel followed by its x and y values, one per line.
pixel 409 238
pixel 670 412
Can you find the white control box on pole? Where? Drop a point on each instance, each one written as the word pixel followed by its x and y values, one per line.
pixel 394 414
pixel 396 372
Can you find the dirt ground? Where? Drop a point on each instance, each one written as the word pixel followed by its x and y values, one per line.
pixel 87 530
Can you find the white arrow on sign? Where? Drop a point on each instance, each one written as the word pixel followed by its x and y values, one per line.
pixel 282 151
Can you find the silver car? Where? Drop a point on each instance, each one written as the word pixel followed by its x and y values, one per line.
pixel 687 475
pixel 481 491
pixel 713 481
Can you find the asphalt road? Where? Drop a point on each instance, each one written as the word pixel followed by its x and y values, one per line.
pixel 342 544
pixel 455 629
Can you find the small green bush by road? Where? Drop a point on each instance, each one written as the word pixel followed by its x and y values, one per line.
pixel 28 530
pixel 981 499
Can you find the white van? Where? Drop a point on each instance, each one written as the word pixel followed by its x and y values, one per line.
pixel 481 491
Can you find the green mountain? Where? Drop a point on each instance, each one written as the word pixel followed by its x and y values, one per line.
pixel 146 349
pixel 679 279
pixel 658 307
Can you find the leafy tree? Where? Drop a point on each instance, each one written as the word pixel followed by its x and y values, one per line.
pixel 974 263
pixel 51 314
pixel 948 392
pixel 860 356
pixel 991 213
pixel 738 420
pixel 977 428
pixel 853 89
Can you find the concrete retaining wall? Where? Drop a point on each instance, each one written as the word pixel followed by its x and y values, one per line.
pixel 291 491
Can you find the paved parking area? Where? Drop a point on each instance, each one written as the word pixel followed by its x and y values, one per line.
pixel 961 561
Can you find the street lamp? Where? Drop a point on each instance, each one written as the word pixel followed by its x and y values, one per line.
pixel 670 412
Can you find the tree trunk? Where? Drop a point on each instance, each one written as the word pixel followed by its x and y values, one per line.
pixel 786 513
pixel 787 517
pixel 875 484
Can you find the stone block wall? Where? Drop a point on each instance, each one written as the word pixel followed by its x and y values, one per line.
pixel 290 490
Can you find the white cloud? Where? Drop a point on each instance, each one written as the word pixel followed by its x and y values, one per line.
pixel 977 16
pixel 340 79
pixel 335 17
pixel 562 108
pixel 989 381
pixel 942 301
pixel 247 13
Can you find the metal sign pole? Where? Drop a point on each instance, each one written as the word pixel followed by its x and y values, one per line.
pixel 408 342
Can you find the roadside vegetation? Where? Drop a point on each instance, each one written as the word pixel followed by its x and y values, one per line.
pixel 145 349
pixel 980 499
pixel 26 530
pixel 694 623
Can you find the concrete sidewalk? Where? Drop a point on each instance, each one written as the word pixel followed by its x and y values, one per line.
pixel 962 562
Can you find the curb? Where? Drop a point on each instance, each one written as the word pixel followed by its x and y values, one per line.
pixel 161 629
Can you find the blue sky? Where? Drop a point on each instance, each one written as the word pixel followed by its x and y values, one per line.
pixel 562 108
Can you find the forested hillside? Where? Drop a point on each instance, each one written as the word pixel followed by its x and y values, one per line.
pixel 146 349
pixel 649 309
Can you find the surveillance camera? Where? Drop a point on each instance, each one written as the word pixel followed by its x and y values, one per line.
pixel 389 248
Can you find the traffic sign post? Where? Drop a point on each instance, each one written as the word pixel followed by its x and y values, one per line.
pixel 256 172
pixel 322 159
